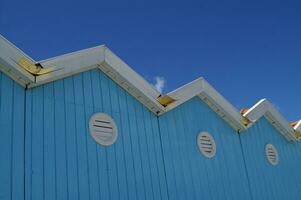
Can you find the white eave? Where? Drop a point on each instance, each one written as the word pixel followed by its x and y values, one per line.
pixel 9 56
pixel 101 57
pixel 209 95
pixel 265 109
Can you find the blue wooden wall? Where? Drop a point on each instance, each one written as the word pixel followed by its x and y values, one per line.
pixel 11 139
pixel 46 151
pixel 189 174
pixel 271 182
pixel 64 162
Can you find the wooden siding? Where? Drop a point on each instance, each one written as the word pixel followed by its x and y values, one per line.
pixel 11 139
pixel 64 162
pixel 189 174
pixel 46 151
pixel 271 182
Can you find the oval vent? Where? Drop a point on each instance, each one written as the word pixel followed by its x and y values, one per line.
pixel 272 154
pixel 206 144
pixel 103 129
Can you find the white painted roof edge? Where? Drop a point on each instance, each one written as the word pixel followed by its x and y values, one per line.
pixel 9 56
pixel 200 87
pixel 298 126
pixel 104 59
pixel 268 110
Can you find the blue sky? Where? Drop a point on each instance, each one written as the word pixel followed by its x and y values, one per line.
pixel 246 50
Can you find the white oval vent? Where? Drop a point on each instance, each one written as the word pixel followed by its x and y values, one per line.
pixel 206 144
pixel 272 154
pixel 103 129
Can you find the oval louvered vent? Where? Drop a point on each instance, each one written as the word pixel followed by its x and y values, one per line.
pixel 206 144
pixel 103 129
pixel 272 154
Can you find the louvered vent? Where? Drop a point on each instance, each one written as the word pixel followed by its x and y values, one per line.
pixel 206 144
pixel 103 129
pixel 272 154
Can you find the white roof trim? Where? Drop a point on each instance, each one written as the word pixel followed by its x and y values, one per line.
pixel 9 56
pixel 209 95
pixel 104 59
pixel 101 57
pixel 266 109
pixel 297 127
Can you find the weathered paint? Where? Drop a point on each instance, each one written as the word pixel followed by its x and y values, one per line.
pixel 189 174
pixel 64 162
pixel 271 182
pixel 11 139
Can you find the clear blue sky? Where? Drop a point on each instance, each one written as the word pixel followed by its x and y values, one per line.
pixel 246 50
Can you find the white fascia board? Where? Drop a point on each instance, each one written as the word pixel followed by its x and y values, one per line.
pixel 9 57
pixel 185 93
pixel 71 64
pixel 266 109
pixel 224 107
pixel 209 95
pixel 127 72
pixel 101 57
pixel 128 79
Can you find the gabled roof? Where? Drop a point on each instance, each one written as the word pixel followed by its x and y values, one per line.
pixel 104 59
pixel 30 73
pixel 201 88
pixel 265 109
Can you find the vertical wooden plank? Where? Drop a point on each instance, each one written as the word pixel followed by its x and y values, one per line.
pixel 202 122
pixel 185 144
pixel 120 162
pixel 110 151
pixel 18 143
pixel 49 143
pixel 91 145
pixel 60 136
pixel 159 157
pixel 6 116
pixel 199 172
pixel 167 156
pixel 71 140
pixel 176 157
pixel 127 146
pixel 37 168
pixel 28 144
pixel 136 149
pixel 143 151
pixel 83 172
pixel 151 151
pixel 101 152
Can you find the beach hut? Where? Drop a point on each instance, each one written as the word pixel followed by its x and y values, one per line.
pixel 86 126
